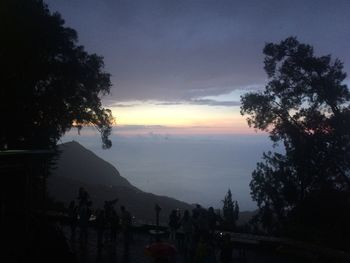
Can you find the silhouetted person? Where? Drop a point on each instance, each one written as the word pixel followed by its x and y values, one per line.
pixel 187 228
pixel 203 223
pixel 212 219
pixel 195 224
pixel 114 225
pixel 108 209
pixel 83 197
pixel 84 216
pixel 73 218
pixel 197 210
pixel 226 249
pixel 173 224
pixel 84 213
pixel 100 225
pixel 109 206
pixel 125 219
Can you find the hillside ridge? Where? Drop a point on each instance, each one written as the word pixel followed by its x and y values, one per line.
pixel 79 167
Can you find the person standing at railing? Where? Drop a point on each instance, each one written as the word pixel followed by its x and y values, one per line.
pixel 84 213
pixel 73 219
pixel 125 220
pixel 173 225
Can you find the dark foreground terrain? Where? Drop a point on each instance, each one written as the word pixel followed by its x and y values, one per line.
pixel 245 250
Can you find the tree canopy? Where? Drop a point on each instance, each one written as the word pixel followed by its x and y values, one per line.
pixel 306 107
pixel 49 82
pixel 230 211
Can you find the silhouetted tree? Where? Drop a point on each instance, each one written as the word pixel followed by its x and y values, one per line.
pixel 49 82
pixel 304 106
pixel 236 211
pixel 230 210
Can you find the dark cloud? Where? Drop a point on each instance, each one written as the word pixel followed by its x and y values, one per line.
pixel 177 49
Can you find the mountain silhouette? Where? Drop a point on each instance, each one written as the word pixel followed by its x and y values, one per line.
pixel 78 163
pixel 78 167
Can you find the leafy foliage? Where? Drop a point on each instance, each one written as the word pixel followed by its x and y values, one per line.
pixel 305 106
pixel 49 82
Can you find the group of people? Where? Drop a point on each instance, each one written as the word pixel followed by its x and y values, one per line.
pixel 107 222
pixel 195 233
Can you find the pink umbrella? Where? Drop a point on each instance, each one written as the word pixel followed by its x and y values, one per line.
pixel 161 251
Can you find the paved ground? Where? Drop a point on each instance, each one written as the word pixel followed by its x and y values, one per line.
pixel 113 252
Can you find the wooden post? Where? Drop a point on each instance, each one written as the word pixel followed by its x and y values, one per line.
pixel 157 208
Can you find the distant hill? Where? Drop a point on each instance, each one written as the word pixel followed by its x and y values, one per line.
pixel 78 167
pixel 78 163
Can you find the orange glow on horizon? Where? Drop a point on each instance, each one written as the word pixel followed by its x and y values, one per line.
pixel 168 130
pixel 179 119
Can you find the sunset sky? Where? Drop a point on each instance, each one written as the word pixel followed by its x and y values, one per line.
pixel 207 115
pixel 180 66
